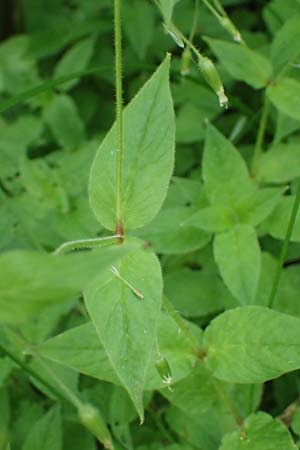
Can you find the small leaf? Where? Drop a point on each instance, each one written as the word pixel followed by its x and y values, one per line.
pixel 213 219
pixel 46 434
pixel 259 432
pixel 285 47
pixel 237 255
pixel 147 161
pixel 277 224
pixel 259 205
pixel 139 25
pixel 126 324
pixel 242 63
pixel 74 60
pixel 285 95
pixel 281 163
pixel 225 173
pixel 246 345
pixel 62 116
pixel 167 7
pixel 32 280
pixel 171 233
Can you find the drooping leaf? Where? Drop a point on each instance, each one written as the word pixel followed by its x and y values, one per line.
pixel 285 47
pixel 147 161
pixel 242 63
pixel 126 324
pixel 259 432
pixel 32 280
pixel 225 173
pixel 246 345
pixel 46 433
pixel 285 95
pixel 237 255
pixel 281 163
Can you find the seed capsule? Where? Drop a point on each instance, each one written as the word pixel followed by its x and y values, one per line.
pixel 213 79
pixel 185 61
pixel 232 30
pixel 91 419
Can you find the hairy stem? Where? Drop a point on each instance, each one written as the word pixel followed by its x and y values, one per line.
pixel 87 243
pixel 119 110
pixel 285 247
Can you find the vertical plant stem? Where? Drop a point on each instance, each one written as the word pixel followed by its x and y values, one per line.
pixel 119 110
pixel 260 135
pixel 285 247
pixel 195 21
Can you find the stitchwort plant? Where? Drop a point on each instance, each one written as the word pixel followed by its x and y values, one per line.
pixel 149 299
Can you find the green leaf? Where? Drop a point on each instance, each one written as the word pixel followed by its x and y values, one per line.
pixel 195 293
pixel 171 233
pixel 285 47
pixel 214 219
pixel 277 224
pixel 147 161
pixel 246 345
pixel 285 95
pixel 237 255
pixel 258 206
pixel 139 25
pixel 75 59
pixel 225 173
pixel 167 7
pixel 32 280
pixel 259 432
pixel 5 413
pixel 62 116
pixel 242 63
pixel 46 433
pixel 127 324
pixel 281 163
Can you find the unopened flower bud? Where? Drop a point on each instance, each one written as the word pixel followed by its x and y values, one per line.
pixel 230 27
pixel 185 61
pixel 92 420
pixel 212 77
pixel 163 368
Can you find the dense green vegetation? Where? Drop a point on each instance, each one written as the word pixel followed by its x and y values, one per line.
pixel 149 225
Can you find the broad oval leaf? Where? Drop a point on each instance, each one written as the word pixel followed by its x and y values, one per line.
pixel 259 432
pixel 238 256
pixel 285 95
pixel 80 349
pixel 252 344
pixel 148 157
pixel 126 324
